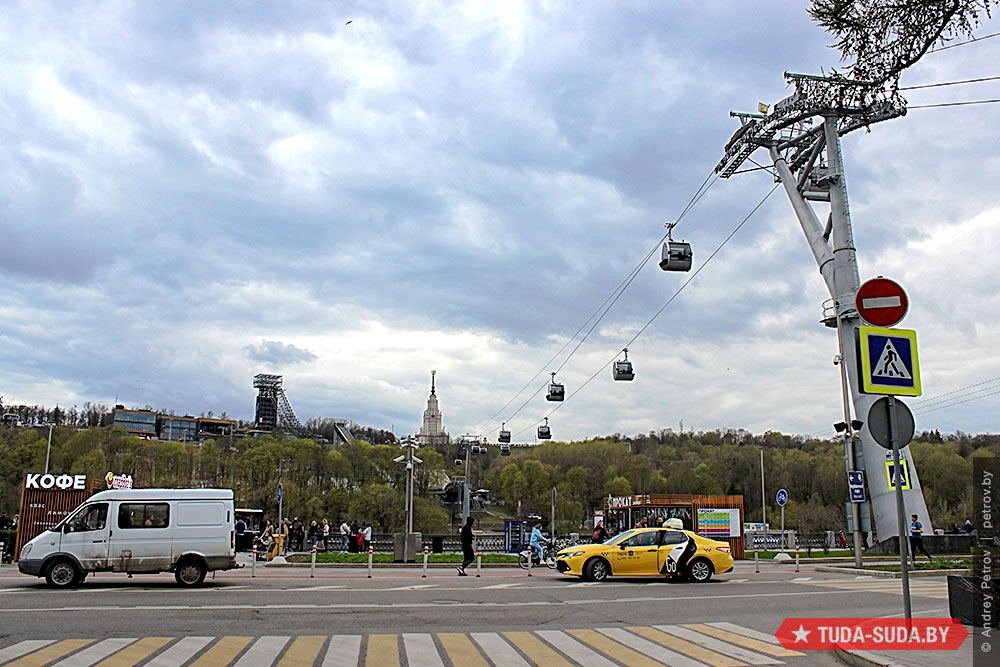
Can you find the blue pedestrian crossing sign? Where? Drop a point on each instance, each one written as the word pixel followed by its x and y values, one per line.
pixel 888 361
pixel 892 477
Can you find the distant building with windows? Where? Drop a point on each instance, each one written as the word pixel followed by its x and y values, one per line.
pixel 152 425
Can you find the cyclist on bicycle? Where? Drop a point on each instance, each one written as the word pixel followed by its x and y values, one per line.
pixel 537 540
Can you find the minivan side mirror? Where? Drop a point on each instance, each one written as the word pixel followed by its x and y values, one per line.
pixel 66 528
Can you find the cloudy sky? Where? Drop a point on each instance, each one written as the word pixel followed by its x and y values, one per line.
pixel 350 194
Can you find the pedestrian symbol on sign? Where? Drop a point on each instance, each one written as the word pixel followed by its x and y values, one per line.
pixel 889 365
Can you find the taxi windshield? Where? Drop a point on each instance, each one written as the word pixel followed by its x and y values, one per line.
pixel 622 536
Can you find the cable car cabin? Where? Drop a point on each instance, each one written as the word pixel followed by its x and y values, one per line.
pixel 623 370
pixel 556 392
pixel 504 435
pixel 458 462
pixel 676 256
pixel 544 432
pixel 504 450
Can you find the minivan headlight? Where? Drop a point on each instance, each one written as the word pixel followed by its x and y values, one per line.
pixel 25 551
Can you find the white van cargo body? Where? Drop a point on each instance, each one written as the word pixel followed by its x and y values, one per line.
pixel 185 531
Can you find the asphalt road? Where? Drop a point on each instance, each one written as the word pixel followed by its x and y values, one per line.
pixel 338 601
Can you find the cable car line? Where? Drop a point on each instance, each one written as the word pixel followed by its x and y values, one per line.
pixel 662 308
pixel 968 41
pixel 951 405
pixel 705 186
pixel 933 399
pixel 950 83
pixel 952 104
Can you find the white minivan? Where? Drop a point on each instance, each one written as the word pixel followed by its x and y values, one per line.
pixel 185 531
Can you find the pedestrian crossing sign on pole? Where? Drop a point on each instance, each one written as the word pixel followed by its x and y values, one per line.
pixel 890 474
pixel 888 360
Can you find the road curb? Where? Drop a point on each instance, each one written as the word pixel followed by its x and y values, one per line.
pixel 863 659
pixel 887 573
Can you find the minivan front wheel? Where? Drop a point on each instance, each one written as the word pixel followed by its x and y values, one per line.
pixel 190 573
pixel 62 574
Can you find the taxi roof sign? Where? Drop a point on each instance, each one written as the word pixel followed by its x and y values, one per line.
pixel 888 361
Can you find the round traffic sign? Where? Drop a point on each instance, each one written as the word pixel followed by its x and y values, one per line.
pixel 881 302
pixel 878 423
pixel 782 497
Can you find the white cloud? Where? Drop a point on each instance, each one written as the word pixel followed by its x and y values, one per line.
pixel 458 187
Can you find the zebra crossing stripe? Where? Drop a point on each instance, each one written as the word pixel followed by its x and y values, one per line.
pixel 574 649
pixel 343 651
pixel 716 645
pixel 613 649
pixel 746 632
pixel 303 651
pixel 50 653
pixel 741 640
pixel 96 653
pixel 538 652
pixel 180 652
pixel 655 651
pixel 23 648
pixel 500 652
pixel 461 650
pixel 383 650
pixel 420 650
pixel 135 653
pixel 222 653
pixel 687 648
pixel 263 652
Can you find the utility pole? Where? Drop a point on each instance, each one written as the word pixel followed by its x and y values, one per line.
pixel 802 136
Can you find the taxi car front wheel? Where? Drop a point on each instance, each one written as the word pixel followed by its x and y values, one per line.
pixel 597 569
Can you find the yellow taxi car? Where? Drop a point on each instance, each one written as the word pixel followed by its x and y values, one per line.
pixel 651 552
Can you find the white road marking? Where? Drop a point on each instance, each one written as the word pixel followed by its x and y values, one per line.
pixel 718 645
pixel 746 632
pixel 578 651
pixel 263 652
pixel 328 587
pixel 180 652
pixel 646 647
pixel 343 652
pixel 95 653
pixel 22 648
pixel 501 586
pixel 799 580
pixel 408 605
pixel 420 650
pixel 414 587
pixel 501 653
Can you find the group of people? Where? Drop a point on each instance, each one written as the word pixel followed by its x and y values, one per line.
pixel 323 535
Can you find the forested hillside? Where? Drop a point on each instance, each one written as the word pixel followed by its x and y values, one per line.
pixel 360 481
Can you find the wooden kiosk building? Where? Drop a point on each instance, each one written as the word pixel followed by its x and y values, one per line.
pixel 717 517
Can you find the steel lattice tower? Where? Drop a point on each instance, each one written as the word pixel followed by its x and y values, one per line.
pixel 273 409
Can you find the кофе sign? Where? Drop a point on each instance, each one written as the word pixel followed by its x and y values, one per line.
pixel 45 500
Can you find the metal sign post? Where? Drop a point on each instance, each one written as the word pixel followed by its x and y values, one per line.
pixel 900 510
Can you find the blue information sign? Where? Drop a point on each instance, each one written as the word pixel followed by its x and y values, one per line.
pixel 782 497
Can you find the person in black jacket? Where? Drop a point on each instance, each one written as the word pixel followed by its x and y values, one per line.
pixel 467 555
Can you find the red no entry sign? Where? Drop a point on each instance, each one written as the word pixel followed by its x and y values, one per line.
pixel 881 302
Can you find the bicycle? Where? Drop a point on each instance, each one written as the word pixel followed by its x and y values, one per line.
pixel 548 557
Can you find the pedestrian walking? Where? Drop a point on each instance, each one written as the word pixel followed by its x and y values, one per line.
pixel 366 537
pixel 917 539
pixel 467 555
pixel 354 548
pixel 326 535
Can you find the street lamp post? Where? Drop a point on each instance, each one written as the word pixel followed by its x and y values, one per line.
pixel 48 448
pixel 409 444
